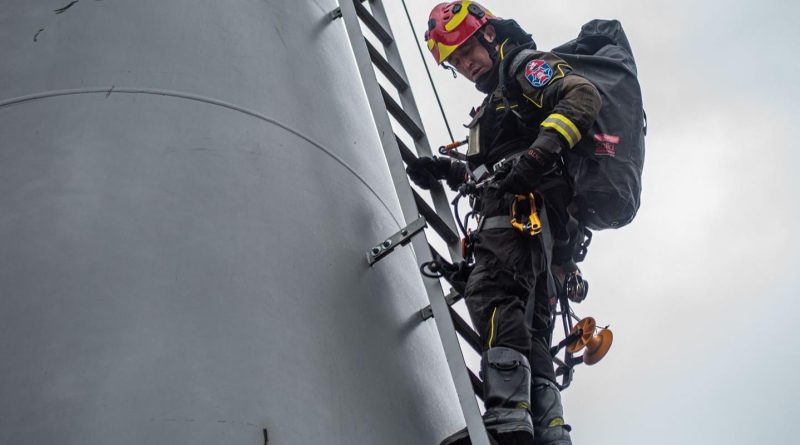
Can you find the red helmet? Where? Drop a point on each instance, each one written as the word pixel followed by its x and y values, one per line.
pixel 451 24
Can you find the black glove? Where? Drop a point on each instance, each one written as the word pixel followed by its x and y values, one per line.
pixel 425 171
pixel 526 174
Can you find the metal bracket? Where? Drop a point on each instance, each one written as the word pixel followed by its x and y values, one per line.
pixel 400 238
pixel 451 299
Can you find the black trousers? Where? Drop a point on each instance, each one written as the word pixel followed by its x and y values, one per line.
pixel 508 280
pixel 506 293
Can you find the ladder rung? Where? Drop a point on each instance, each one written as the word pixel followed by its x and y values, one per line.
pixel 405 153
pixel 402 117
pixel 386 68
pixel 477 384
pixel 372 23
pixel 435 221
pixel 467 333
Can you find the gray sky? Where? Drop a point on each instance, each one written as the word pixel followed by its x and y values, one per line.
pixel 699 289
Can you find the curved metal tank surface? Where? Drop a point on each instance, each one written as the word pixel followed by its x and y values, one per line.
pixel 188 192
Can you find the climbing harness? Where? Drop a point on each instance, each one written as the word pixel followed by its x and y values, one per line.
pixel 580 334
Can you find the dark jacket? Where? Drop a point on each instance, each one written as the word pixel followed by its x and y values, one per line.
pixel 537 104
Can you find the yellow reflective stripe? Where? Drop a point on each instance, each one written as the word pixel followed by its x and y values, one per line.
pixel 501 107
pixel 491 332
pixel 568 122
pixel 458 18
pixel 564 127
pixel 561 131
pixel 431 43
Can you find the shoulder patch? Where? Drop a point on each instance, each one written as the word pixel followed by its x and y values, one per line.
pixel 538 72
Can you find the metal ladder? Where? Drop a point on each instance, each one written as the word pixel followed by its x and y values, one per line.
pixel 440 218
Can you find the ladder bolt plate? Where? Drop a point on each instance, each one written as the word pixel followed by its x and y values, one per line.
pixel 400 238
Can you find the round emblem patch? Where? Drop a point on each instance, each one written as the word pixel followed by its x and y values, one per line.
pixel 538 73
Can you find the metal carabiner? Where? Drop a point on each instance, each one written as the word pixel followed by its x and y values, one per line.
pixel 532 224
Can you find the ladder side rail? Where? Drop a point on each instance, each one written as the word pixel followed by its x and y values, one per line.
pixel 440 201
pixel 439 198
pixel 444 324
pixel 422 144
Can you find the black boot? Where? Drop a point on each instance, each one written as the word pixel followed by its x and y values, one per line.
pixel 507 384
pixel 548 415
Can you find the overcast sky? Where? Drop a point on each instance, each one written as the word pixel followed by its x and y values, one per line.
pixel 700 289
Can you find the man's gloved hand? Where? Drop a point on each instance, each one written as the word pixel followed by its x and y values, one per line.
pixel 525 174
pixel 425 171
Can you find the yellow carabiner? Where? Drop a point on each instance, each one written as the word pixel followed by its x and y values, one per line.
pixel 533 225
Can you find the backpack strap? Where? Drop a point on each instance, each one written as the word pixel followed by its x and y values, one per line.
pixel 509 66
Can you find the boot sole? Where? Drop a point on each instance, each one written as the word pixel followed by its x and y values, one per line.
pixel 506 435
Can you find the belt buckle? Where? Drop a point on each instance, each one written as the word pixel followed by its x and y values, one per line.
pixel 497 165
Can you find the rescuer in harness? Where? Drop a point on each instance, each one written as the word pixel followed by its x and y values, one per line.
pixel 535 110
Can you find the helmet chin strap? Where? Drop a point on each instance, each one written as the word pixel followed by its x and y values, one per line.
pixel 450 68
pixel 488 81
pixel 491 47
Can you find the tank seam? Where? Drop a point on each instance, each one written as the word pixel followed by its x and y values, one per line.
pixel 208 100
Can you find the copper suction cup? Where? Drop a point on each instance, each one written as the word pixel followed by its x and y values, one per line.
pixel 598 347
pixel 587 327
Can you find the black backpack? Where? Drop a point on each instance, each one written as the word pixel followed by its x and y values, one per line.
pixel 606 165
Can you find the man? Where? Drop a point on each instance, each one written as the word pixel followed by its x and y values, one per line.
pixel 535 109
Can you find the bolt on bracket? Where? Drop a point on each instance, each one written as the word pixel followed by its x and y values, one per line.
pixel 400 238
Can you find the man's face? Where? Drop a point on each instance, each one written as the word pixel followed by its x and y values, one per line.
pixel 471 59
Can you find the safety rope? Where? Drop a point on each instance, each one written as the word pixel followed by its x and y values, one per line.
pixel 430 78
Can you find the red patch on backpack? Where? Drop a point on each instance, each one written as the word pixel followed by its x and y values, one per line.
pixel 605 144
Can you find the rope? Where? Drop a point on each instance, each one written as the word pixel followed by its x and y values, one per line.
pixel 430 78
